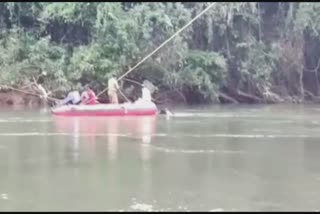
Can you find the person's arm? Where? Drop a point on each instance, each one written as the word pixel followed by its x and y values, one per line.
pixel 96 99
pixel 116 84
pixel 95 96
pixel 84 97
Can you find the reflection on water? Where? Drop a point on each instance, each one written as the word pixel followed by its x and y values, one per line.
pixel 142 128
pixel 207 160
pixel 75 149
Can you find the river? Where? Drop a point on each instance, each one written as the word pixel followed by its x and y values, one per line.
pixel 221 158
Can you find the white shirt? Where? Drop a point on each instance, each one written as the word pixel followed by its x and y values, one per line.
pixel 146 95
pixel 113 84
pixel 74 96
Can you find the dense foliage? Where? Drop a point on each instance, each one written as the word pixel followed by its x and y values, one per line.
pixel 236 52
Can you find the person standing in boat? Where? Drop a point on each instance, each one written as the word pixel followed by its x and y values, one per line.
pixel 112 89
pixel 88 97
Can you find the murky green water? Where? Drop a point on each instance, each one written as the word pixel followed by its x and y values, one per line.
pixel 218 158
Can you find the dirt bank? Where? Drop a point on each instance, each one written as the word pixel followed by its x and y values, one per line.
pixel 17 99
pixel 13 98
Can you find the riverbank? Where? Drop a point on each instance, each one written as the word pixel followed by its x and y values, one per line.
pixel 13 98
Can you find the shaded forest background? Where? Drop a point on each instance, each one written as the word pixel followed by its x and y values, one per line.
pixel 235 53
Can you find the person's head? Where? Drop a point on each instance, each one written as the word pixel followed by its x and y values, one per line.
pixel 145 82
pixel 87 87
pixel 76 88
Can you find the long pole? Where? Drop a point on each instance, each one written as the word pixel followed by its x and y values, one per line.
pixel 163 44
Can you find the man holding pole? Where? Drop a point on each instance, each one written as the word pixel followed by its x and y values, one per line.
pixel 112 90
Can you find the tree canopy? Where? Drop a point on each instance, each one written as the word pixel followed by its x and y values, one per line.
pixel 236 52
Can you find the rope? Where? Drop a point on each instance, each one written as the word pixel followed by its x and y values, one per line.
pixel 133 81
pixel 163 44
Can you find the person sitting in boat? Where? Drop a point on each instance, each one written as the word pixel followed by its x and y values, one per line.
pixel 112 89
pixel 146 96
pixel 73 98
pixel 88 97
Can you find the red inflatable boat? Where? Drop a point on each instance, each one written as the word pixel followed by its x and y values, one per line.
pixel 127 109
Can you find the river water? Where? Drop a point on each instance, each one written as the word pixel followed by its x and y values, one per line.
pixel 222 158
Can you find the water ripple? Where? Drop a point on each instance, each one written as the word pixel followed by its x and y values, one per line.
pixel 23 121
pixel 167 150
pixel 142 207
pixel 164 135
pixel 60 134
